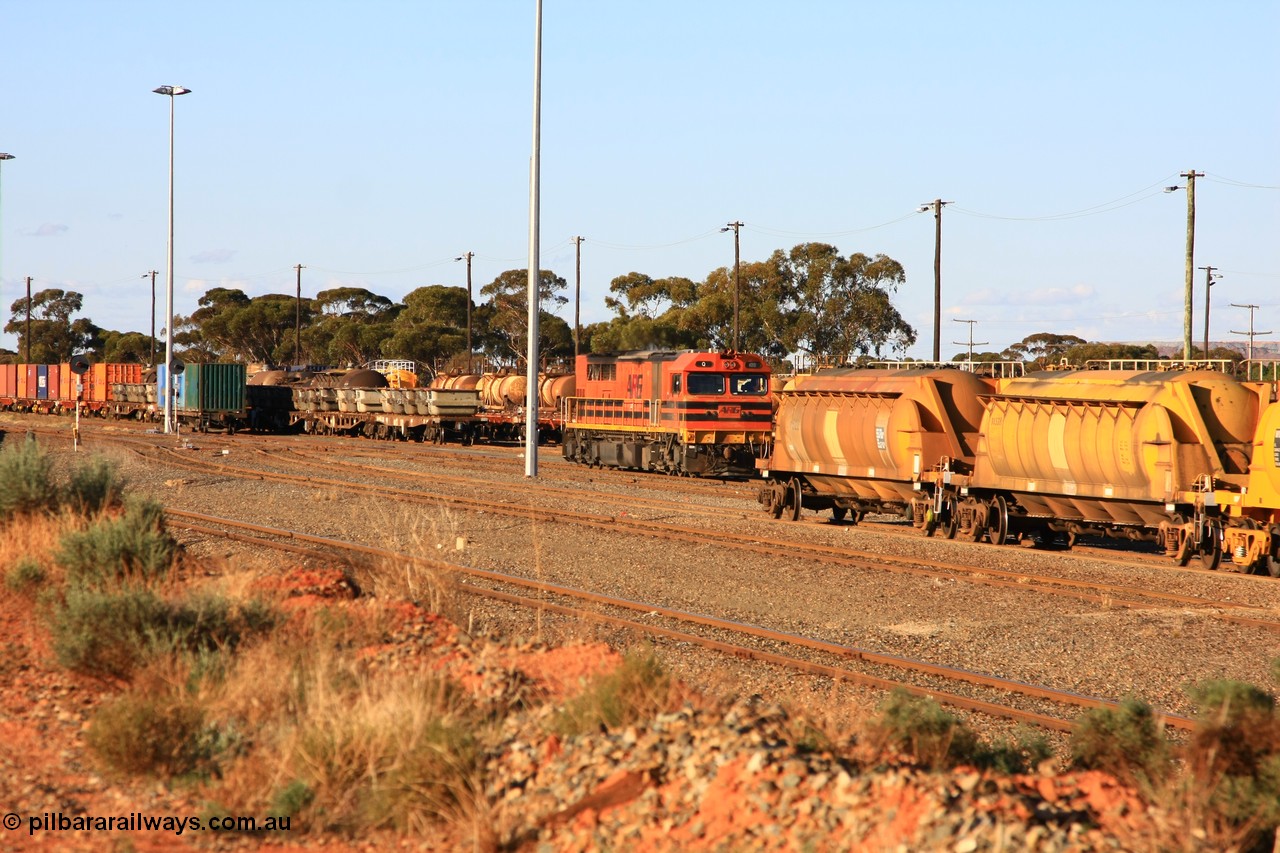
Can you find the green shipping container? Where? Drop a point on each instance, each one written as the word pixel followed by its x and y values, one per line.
pixel 211 388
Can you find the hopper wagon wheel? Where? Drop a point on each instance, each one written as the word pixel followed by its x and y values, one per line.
pixel 1272 565
pixel 838 513
pixel 794 502
pixel 777 495
pixel 998 520
pixel 1211 550
pixel 930 525
pixel 953 518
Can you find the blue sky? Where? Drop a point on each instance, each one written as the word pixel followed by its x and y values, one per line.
pixel 374 142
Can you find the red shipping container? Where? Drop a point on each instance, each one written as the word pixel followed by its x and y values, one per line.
pixel 98 389
pixel 53 386
pixel 26 381
pixel 8 380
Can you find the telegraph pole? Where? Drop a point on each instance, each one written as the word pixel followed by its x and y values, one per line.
pixel 737 281
pixel 1190 175
pixel 1209 279
pixel 936 206
pixel 153 274
pixel 577 296
pixel 297 320
pixel 467 256
pixel 28 336
pixel 1251 333
pixel 971 341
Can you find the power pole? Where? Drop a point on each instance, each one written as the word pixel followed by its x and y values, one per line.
pixel 466 256
pixel 577 296
pixel 297 320
pixel 153 274
pixel 737 281
pixel 1251 333
pixel 936 206
pixel 1209 279
pixel 972 343
pixel 1190 175
pixel 28 335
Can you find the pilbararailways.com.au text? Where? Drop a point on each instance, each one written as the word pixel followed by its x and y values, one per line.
pixel 139 822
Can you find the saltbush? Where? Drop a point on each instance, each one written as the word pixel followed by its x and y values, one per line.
pixel 26 486
pixel 919 727
pixel 133 546
pixel 110 631
pixel 1126 742
pixel 24 575
pixel 145 735
pixel 93 487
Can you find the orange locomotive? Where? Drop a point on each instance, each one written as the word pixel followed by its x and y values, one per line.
pixel 689 413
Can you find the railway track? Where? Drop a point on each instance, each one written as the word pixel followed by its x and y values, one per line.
pixel 693 627
pixel 1099 593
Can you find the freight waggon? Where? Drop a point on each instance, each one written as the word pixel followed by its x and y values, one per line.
pixel 688 413
pixel 1185 459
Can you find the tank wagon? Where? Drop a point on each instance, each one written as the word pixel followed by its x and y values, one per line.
pixel 691 413
pixel 1184 459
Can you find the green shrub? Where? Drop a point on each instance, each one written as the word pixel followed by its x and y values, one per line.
pixel 93 486
pixel 153 736
pixel 135 545
pixel 26 485
pixel 24 575
pixel 292 798
pixel 106 632
pixel 109 632
pixel 636 690
pixel 919 727
pixel 1236 744
pixel 1126 742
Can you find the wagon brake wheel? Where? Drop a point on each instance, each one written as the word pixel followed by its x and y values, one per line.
pixel 793 500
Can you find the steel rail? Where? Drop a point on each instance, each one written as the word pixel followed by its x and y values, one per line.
pixel 1069 698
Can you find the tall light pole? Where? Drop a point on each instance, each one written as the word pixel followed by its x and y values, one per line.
pixel 297 320
pixel 971 341
pixel 152 274
pixel 1251 333
pixel 936 206
pixel 1190 175
pixel 3 157
pixel 737 280
pixel 172 92
pixel 1209 278
pixel 467 256
pixel 535 271
pixel 577 296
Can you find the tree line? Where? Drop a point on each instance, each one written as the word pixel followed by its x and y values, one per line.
pixel 810 300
